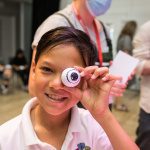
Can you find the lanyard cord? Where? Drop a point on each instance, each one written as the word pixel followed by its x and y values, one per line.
pixel 100 56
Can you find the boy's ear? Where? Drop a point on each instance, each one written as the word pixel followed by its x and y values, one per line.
pixel 33 66
pixel 34 53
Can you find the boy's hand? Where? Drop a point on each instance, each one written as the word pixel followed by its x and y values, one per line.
pixel 95 89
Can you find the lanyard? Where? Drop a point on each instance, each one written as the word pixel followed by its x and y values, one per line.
pixel 100 56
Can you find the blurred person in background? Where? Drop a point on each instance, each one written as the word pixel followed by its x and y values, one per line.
pixel 141 51
pixel 124 43
pixel 6 73
pixel 20 66
pixel 125 38
pixel 81 14
pixel 1 68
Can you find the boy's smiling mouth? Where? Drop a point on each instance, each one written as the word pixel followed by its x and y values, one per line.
pixel 56 98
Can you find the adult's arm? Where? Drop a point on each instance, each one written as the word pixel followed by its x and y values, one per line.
pixel 142 49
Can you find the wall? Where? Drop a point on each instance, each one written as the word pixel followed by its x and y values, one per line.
pixel 8 42
pixel 63 3
pixel 9 29
pixel 15 27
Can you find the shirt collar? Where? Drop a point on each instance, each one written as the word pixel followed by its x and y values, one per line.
pixel 30 136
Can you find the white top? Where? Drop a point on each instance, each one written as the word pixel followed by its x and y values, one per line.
pixel 18 133
pixel 54 21
pixel 141 51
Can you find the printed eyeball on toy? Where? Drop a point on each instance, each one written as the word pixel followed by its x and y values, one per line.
pixel 70 77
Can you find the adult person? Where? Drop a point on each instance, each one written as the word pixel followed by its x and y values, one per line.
pixel 124 43
pixel 126 36
pixel 20 66
pixel 141 51
pixel 52 120
pixel 81 14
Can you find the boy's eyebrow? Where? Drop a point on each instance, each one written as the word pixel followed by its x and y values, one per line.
pixel 47 63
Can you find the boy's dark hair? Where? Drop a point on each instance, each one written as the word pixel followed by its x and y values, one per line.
pixel 68 36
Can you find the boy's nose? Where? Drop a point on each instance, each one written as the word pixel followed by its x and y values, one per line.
pixel 56 82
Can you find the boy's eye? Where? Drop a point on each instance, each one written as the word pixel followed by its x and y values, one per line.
pixel 46 69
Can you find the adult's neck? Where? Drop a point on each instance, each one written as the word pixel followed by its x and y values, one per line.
pixel 87 18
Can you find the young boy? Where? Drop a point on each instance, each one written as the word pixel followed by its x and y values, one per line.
pixel 51 120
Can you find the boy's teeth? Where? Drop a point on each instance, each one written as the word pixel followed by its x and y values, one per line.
pixel 54 97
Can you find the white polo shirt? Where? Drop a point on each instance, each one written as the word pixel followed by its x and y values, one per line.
pixel 18 133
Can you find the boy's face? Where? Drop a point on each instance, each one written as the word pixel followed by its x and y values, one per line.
pixel 49 89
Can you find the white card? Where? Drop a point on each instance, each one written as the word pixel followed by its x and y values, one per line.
pixel 123 65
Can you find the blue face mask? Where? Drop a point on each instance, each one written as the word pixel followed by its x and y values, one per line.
pixel 98 7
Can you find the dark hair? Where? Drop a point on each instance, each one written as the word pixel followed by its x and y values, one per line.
pixel 68 35
pixel 129 29
pixel 19 51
